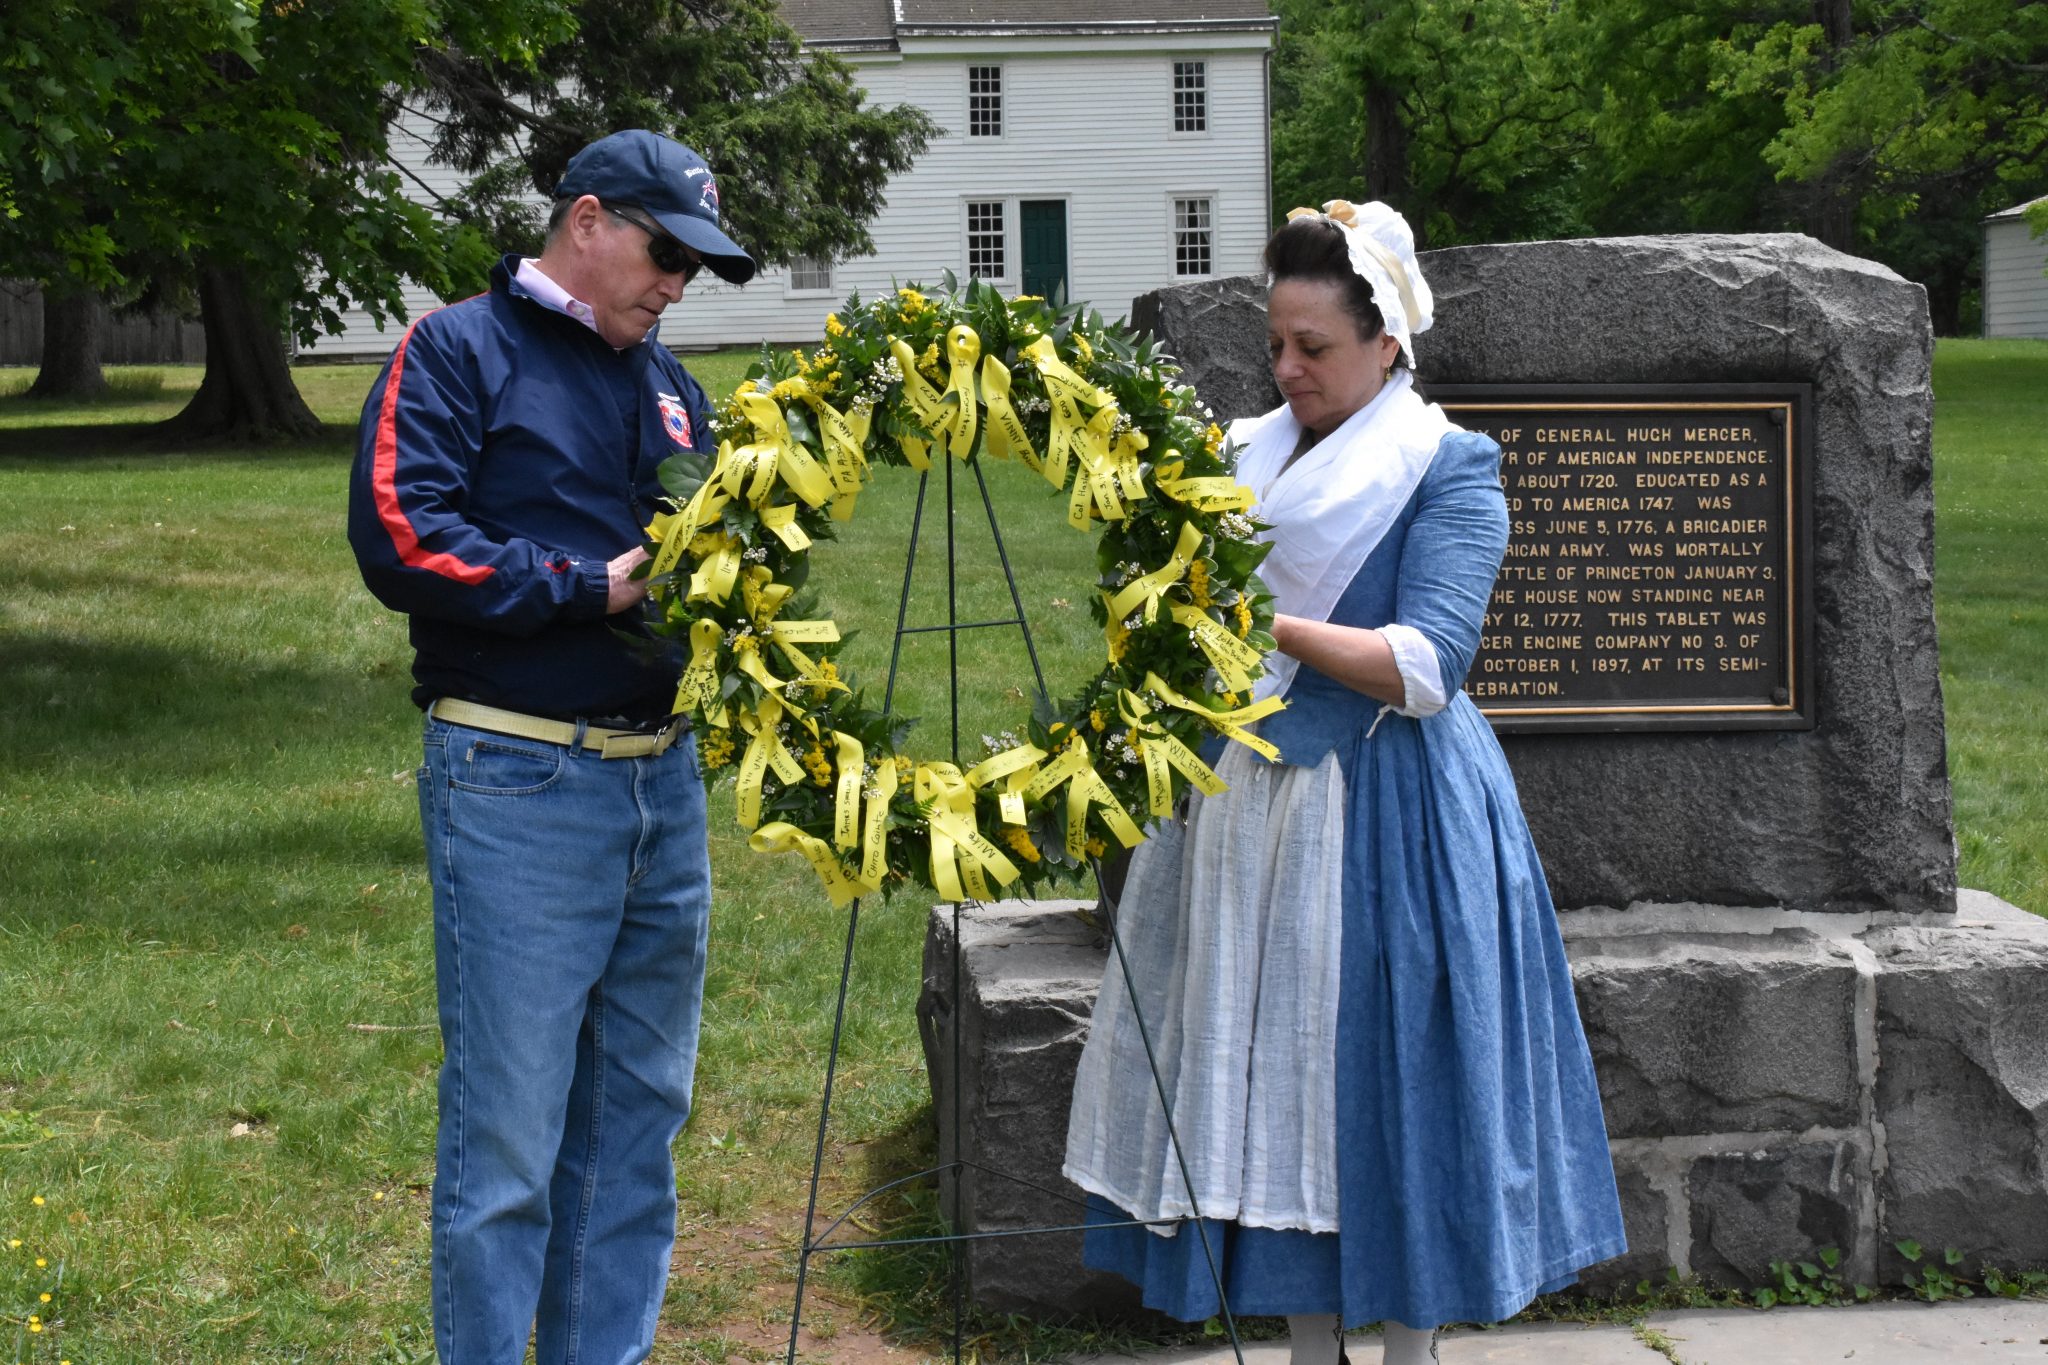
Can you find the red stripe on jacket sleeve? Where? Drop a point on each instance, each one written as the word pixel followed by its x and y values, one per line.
pixel 383 480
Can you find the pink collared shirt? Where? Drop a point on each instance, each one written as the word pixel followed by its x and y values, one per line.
pixel 546 291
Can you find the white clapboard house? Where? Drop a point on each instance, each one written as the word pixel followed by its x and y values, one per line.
pixel 2015 276
pixel 1086 153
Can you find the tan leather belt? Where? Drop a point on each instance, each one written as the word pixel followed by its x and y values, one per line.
pixel 608 743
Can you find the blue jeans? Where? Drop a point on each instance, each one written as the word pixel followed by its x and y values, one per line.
pixel 571 908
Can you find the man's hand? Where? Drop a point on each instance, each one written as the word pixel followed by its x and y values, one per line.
pixel 625 590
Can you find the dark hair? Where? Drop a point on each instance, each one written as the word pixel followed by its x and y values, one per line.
pixel 1312 247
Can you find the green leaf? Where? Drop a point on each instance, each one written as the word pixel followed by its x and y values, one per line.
pixel 1908 1248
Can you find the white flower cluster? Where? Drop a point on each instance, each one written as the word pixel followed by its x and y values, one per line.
pixel 1119 747
pixel 875 387
pixel 757 555
pixel 996 744
pixel 1235 525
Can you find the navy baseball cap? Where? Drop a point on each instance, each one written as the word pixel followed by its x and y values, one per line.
pixel 668 180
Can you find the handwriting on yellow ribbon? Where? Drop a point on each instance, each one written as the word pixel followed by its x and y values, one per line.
pixel 963 348
pixel 1006 435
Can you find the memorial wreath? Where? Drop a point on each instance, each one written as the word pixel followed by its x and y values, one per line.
pixel 906 380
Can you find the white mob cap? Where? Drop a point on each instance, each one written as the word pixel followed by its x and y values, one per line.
pixel 1383 253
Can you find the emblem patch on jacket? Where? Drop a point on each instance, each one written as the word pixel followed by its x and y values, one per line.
pixel 675 418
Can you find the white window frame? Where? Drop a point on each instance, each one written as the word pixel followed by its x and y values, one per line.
pixel 1001 98
pixel 792 289
pixel 1173 230
pixel 1173 92
pixel 1008 207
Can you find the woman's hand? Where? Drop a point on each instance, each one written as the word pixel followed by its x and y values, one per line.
pixel 1359 658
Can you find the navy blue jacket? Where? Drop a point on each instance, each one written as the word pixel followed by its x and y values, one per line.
pixel 506 454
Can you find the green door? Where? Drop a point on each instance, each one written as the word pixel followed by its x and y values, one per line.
pixel 1043 225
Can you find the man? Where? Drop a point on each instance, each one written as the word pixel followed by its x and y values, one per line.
pixel 505 468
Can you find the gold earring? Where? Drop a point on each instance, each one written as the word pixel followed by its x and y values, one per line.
pixel 1387 374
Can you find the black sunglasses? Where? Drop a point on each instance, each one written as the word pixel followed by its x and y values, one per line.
pixel 670 256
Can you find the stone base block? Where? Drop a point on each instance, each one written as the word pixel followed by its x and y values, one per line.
pixel 1021 998
pixel 1775 1083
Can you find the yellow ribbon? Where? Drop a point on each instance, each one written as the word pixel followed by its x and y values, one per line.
pixel 781 837
pixel 1231 657
pixel 963 348
pixel 1085 788
pixel 699 685
pixel 1089 790
pixel 1124 463
pixel 857 424
pixel 717 571
pixel 675 530
pixel 1066 391
pixel 843 446
pixel 1152 586
pixel 748 472
pixel 765 750
pixel 874 851
pixel 1006 434
pixel 923 399
pixel 787 635
pixel 1230 723
pixel 782 522
pixel 1018 765
pixel 1097 469
pixel 961 853
pixel 1211 493
pixel 762 595
pixel 746 654
pixel 846 795
pixel 1060 376
pixel 775 451
pixel 1162 751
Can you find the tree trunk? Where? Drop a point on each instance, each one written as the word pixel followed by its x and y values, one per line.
pixel 1386 151
pixel 1837 20
pixel 1831 213
pixel 1832 216
pixel 71 345
pixel 247 393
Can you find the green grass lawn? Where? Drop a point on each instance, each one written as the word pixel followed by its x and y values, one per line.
pixel 216 1045
pixel 1991 601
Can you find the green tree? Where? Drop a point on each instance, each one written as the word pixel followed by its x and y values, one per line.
pixel 1924 118
pixel 233 150
pixel 238 150
pixel 1886 128
pixel 62 69
pixel 802 160
pixel 1459 114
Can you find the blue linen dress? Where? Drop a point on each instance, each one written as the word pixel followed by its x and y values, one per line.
pixel 1472 1163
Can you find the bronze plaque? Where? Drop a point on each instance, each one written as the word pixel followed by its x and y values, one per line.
pixel 1656 574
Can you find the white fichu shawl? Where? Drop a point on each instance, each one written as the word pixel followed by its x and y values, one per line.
pixel 1330 508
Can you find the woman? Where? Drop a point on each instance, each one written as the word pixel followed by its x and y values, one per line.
pixel 1349 962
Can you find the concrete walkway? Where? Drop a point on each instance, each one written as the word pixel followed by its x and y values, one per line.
pixel 1973 1332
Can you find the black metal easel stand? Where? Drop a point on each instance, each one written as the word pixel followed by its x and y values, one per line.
pixel 816 1242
